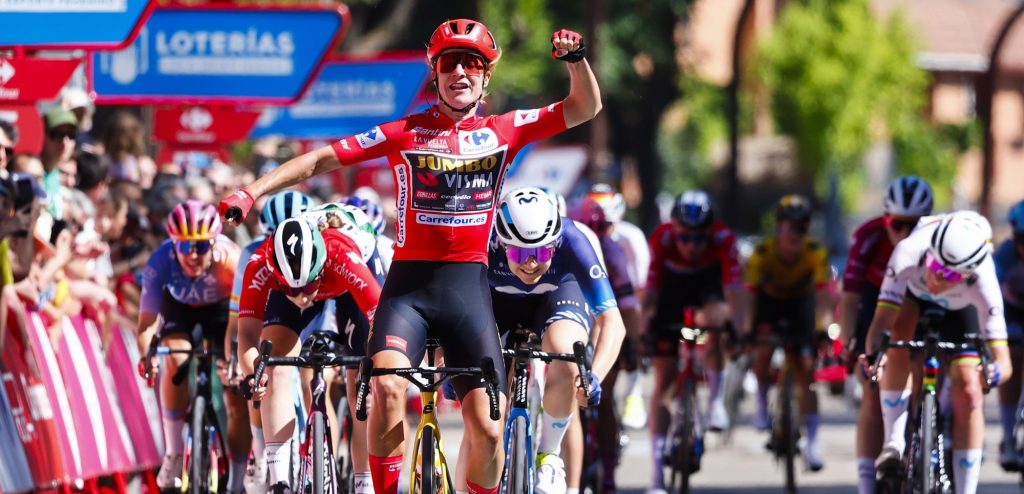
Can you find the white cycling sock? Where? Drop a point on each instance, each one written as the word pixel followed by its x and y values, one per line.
pixel 633 387
pixel 657 452
pixel 237 472
pixel 894 416
pixel 865 475
pixel 174 431
pixel 966 470
pixel 552 431
pixel 1008 418
pixel 811 423
pixel 714 382
pixel 572 490
pixel 363 483
pixel 259 444
pixel 278 461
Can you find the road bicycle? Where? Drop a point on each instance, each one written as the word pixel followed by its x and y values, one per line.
pixel 206 461
pixel 428 450
pixel 519 450
pixel 925 461
pixel 685 441
pixel 319 470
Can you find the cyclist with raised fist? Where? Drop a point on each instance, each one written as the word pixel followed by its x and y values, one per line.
pixel 448 163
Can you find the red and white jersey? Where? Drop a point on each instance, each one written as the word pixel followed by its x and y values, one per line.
pixel 448 176
pixel 343 271
pixel 721 250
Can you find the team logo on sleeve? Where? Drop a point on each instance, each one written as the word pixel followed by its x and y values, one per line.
pixel 524 117
pixel 371 138
pixel 477 141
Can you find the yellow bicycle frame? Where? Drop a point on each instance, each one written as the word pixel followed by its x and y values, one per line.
pixel 428 418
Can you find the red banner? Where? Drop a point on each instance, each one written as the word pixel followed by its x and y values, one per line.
pixel 185 126
pixel 27 80
pixel 30 126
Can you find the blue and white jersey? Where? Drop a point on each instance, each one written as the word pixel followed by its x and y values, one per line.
pixel 243 260
pixel 574 259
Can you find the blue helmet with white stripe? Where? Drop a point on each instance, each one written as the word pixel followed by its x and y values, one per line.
pixel 281 206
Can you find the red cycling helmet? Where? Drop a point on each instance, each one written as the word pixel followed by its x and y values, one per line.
pixel 590 213
pixel 466 34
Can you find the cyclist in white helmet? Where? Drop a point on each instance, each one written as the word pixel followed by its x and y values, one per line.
pixel 634 243
pixel 906 200
pixel 278 208
pixel 945 268
pixel 545 277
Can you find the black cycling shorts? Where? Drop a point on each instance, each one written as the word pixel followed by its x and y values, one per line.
pixel 352 323
pixel 449 301
pixel 537 312
pixel 678 291
pixel 792 321
pixel 951 325
pixel 865 313
pixel 209 322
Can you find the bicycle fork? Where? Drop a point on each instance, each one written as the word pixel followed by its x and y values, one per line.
pixel 428 419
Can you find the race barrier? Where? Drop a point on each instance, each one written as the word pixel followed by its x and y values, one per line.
pixel 72 407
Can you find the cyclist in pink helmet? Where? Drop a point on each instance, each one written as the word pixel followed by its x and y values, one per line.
pixel 187 283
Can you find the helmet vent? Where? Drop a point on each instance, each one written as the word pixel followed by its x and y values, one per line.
pixel 469 27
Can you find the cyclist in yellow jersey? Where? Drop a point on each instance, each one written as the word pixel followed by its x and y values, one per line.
pixel 786 280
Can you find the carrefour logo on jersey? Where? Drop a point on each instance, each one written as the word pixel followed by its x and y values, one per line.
pixel 477 141
pixel 452 220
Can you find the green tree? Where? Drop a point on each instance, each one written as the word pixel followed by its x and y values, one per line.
pixel 840 79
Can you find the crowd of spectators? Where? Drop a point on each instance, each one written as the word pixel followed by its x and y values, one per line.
pixel 80 219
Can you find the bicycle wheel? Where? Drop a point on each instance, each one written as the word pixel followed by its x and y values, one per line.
pixel 926 467
pixel 787 431
pixel 684 441
pixel 519 468
pixel 427 462
pixel 318 453
pixel 198 473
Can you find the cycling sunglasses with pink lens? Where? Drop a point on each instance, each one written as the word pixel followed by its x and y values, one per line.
pixel 303 290
pixel 949 274
pixel 200 247
pixel 522 254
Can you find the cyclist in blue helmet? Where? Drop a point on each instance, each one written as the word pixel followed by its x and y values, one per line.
pixel 1010 271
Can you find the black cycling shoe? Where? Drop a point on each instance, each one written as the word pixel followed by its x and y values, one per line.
pixel 280 488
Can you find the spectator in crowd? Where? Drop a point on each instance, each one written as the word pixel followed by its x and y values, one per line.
pixel 58 147
pixel 93 175
pixel 78 102
pixel 124 145
pixel 8 138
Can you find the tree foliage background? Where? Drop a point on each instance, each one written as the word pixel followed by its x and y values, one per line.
pixel 841 79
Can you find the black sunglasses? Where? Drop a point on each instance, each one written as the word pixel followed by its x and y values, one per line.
pixel 692 238
pixel 57 135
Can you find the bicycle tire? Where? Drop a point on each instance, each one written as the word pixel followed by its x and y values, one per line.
pixel 199 475
pixel 519 469
pixel 683 465
pixel 427 462
pixel 318 453
pixel 926 469
pixel 788 431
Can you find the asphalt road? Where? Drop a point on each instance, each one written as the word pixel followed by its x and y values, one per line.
pixel 742 465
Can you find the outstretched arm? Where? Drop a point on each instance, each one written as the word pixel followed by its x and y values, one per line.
pixel 584 100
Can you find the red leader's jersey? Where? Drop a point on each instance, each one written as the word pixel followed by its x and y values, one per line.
pixel 448 176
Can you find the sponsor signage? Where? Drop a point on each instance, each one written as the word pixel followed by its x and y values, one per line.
pixel 184 126
pixel 349 96
pixel 29 124
pixel 27 80
pixel 72 24
pixel 219 55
